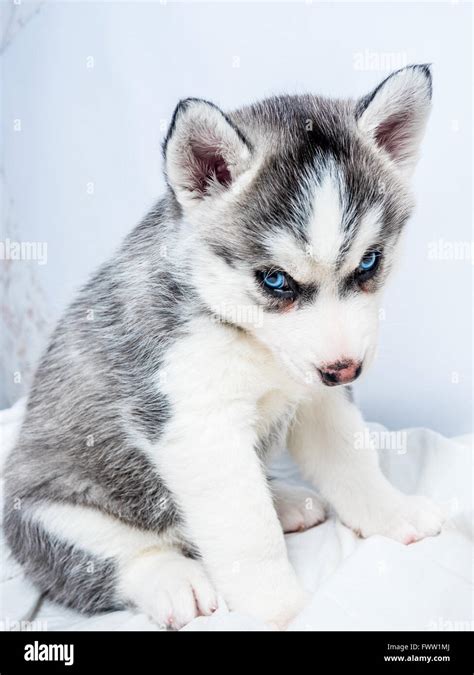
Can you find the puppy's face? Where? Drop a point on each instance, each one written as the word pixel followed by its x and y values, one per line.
pixel 295 208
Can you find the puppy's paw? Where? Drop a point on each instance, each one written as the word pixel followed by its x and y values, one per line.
pixel 298 508
pixel 407 520
pixel 276 606
pixel 268 590
pixel 280 617
pixel 171 589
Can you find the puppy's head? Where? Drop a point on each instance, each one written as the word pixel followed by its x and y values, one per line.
pixel 294 207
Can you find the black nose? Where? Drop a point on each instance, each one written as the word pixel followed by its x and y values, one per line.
pixel 340 372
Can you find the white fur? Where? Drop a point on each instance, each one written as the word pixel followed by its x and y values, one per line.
pixel 292 257
pixel 326 232
pixel 171 589
pixel 323 442
pixel 221 402
pixel 330 330
pixel 93 531
pixel 366 236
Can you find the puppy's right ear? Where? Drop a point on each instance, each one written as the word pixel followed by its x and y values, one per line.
pixel 204 152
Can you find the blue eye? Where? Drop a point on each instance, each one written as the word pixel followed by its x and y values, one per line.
pixel 275 280
pixel 368 262
pixel 278 284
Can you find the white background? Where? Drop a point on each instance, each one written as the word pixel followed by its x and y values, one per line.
pixel 86 165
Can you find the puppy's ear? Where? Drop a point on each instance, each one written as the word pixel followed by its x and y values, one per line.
pixel 394 115
pixel 204 152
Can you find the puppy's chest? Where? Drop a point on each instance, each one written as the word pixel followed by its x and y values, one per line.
pixel 275 412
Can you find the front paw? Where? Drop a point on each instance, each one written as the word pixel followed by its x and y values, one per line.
pixel 279 609
pixel 270 593
pixel 406 519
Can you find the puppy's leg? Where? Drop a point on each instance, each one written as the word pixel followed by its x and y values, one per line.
pixel 323 442
pixel 298 508
pixel 212 468
pixel 92 562
pixel 208 459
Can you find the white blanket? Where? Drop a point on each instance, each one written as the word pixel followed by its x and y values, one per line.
pixel 356 584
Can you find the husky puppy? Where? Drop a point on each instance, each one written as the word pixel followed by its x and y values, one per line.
pixel 226 327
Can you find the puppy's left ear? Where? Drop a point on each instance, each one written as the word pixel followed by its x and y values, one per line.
pixel 204 152
pixel 394 115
